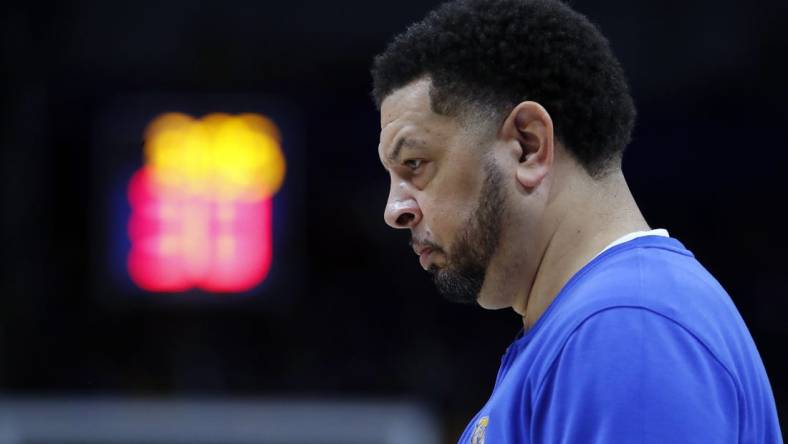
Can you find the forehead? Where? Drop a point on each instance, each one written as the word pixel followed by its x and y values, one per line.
pixel 406 112
pixel 412 99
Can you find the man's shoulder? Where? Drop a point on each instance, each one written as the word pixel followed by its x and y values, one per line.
pixel 646 333
pixel 653 273
pixel 657 285
pixel 655 279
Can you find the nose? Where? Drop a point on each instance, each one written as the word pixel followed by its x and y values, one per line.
pixel 402 211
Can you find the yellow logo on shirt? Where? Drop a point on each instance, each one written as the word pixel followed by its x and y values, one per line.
pixel 478 431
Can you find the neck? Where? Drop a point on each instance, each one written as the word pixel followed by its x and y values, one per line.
pixel 588 215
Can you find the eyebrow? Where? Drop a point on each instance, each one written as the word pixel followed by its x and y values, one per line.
pixel 402 143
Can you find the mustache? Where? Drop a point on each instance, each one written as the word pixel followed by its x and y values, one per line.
pixel 426 243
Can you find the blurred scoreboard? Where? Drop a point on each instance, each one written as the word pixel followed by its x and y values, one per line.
pixel 201 205
pixel 196 197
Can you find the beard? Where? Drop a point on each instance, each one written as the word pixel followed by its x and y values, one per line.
pixel 462 278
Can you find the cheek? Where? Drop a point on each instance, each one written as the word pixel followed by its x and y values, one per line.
pixel 445 218
pixel 451 198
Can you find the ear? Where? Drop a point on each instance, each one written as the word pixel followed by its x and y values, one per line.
pixel 531 126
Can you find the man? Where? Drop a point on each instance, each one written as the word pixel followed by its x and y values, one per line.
pixel 503 124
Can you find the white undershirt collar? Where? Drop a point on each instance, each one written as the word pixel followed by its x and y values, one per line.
pixel 632 236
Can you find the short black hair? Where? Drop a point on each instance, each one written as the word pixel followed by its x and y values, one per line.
pixel 494 54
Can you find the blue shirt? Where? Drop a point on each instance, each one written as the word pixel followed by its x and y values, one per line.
pixel 642 345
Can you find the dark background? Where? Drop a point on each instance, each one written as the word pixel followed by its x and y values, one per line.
pixel 360 318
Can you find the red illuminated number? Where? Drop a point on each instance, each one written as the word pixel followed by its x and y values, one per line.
pixel 201 207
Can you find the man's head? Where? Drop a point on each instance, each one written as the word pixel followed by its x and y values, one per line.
pixel 477 101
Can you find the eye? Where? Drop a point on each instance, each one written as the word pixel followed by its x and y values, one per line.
pixel 413 164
